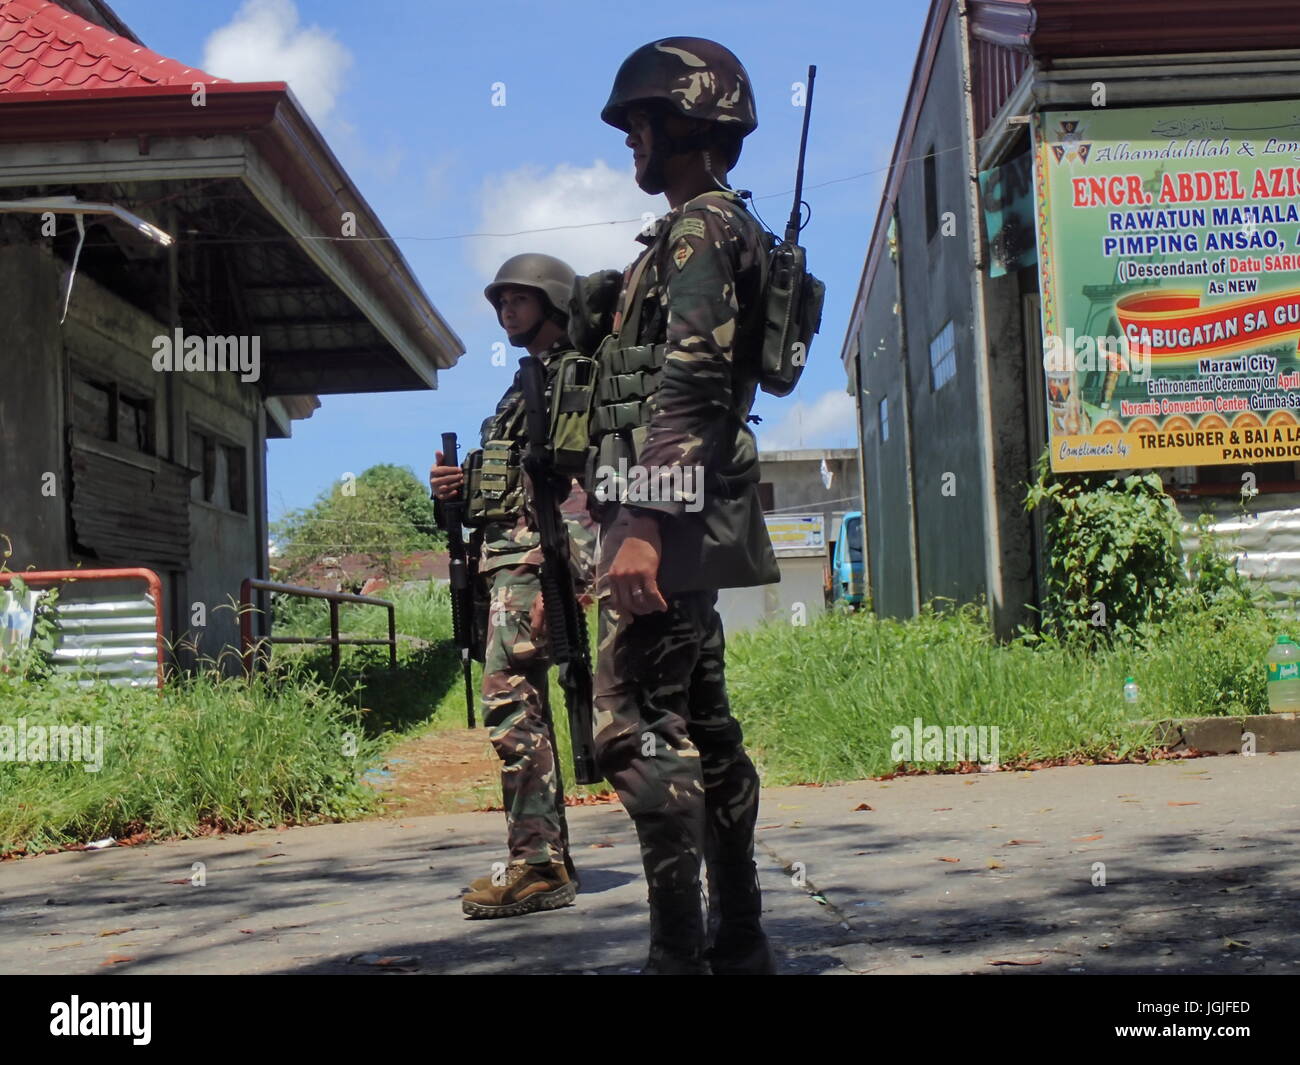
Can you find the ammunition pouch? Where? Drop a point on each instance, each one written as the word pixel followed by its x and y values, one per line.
pixel 792 314
pixel 628 377
pixel 573 388
pixel 620 421
pixel 493 484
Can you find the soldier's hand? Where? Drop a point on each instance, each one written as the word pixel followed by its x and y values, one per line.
pixel 632 578
pixel 445 481
pixel 537 619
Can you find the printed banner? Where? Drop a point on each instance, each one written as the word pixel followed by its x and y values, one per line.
pixel 796 532
pixel 1169 251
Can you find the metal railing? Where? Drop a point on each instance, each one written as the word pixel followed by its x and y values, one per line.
pixel 101 646
pixel 249 643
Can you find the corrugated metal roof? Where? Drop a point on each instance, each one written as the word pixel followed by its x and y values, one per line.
pixel 65 78
pixel 1063 29
pixel 45 48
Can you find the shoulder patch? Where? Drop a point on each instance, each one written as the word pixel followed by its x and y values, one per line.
pixel 682 252
pixel 687 227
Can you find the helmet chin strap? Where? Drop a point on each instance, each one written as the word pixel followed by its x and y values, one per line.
pixel 522 340
pixel 708 169
pixel 666 145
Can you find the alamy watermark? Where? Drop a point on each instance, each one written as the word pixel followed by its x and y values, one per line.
pixel 75 1017
pixel 953 743
pixel 196 354
pixel 631 483
pixel 53 743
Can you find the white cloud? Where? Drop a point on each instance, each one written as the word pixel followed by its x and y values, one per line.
pixel 531 199
pixel 828 421
pixel 264 42
pixel 438 177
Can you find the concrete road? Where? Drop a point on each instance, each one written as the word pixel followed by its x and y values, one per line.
pixel 1181 866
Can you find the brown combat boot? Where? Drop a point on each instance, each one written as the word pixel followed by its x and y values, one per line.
pixel 676 934
pixel 528 888
pixel 485 882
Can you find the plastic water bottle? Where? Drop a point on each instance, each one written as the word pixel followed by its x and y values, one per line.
pixel 1130 690
pixel 1283 676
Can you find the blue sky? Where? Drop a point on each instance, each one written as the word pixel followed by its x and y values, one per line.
pixel 402 90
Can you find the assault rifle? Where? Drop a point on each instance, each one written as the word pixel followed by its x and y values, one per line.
pixel 451 516
pixel 566 624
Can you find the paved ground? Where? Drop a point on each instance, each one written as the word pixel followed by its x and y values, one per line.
pixel 943 874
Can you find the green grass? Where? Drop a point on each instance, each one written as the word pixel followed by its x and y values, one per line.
pixel 817 703
pixel 209 752
pixel 426 690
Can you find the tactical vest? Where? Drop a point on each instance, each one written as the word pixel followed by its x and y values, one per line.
pixel 493 473
pixel 494 489
pixel 629 374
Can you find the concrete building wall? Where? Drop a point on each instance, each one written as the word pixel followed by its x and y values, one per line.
pixel 223 543
pixel 797 599
pixel 105 338
pixel 936 287
pixel 1011 375
pixel 113 337
pixel 889 533
pixel 31 411
pixel 797 487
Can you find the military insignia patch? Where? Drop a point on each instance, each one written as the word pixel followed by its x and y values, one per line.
pixel 687 227
pixel 682 252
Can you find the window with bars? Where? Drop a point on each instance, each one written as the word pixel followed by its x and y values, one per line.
pixel 223 476
pixel 102 410
pixel 943 357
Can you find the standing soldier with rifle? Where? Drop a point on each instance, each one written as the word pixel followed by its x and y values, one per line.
pixel 530 295
pixel 677 379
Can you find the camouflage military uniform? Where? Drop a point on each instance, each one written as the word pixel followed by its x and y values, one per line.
pixel 664 731
pixel 515 668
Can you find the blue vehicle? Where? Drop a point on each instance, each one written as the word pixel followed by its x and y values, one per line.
pixel 848 571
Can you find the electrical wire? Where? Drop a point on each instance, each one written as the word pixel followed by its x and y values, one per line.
pixel 524 232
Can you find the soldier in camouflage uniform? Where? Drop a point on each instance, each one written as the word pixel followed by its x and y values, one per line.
pixel 530 294
pixel 676 383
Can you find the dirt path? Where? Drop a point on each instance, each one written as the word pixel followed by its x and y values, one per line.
pixel 444 771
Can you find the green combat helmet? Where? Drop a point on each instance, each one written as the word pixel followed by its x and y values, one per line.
pixel 697 78
pixel 550 276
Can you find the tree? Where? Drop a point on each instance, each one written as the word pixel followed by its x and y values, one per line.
pixel 385 513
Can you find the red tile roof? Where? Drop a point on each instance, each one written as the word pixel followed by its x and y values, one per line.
pixel 44 47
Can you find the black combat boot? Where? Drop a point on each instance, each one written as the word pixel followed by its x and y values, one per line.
pixel 738 946
pixel 676 934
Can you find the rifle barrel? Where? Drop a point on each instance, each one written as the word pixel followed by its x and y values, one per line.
pixel 462 601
